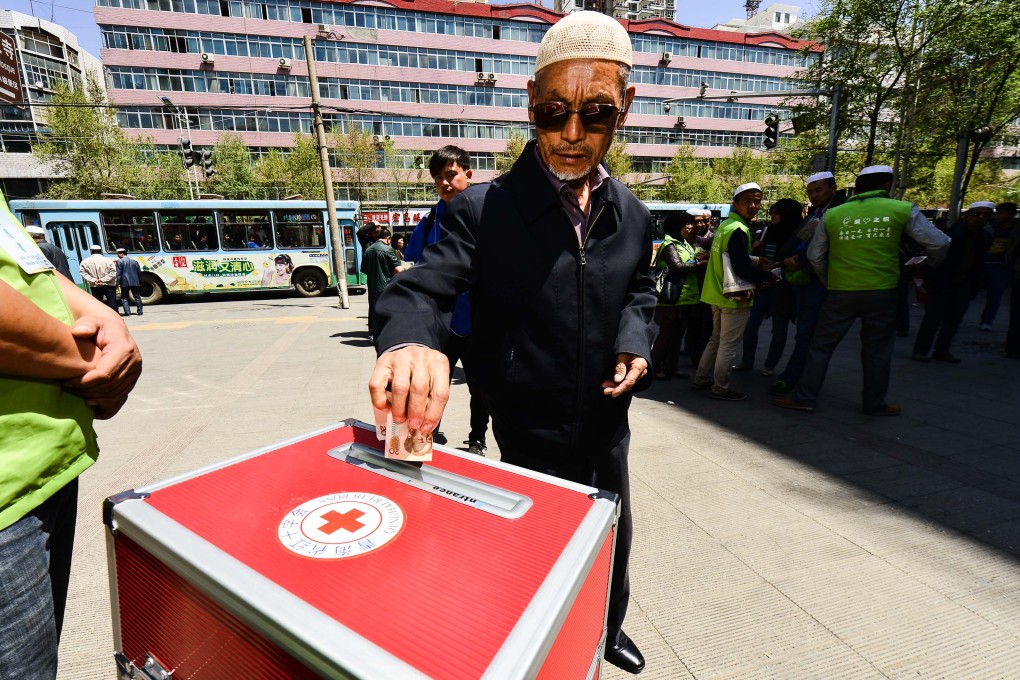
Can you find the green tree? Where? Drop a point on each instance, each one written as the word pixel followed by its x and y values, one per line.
pixel 689 179
pixel 514 147
pixel 743 165
pixel 303 166
pixel 618 161
pixel 271 174
pixel 164 177
pixel 84 145
pixel 358 157
pixel 234 176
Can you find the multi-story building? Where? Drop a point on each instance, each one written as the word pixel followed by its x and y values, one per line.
pixel 46 54
pixel 776 18
pixel 423 72
pixel 622 9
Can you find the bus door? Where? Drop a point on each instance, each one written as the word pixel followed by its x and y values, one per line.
pixel 352 252
pixel 74 233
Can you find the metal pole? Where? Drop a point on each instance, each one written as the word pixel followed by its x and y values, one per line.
pixel 962 145
pixel 339 266
pixel 833 121
pixel 193 169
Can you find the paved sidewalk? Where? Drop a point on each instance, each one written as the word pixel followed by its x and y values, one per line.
pixel 768 543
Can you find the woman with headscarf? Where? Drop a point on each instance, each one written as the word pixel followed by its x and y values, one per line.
pixel 776 300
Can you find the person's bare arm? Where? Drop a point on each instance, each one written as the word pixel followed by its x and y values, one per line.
pixel 106 385
pixel 34 344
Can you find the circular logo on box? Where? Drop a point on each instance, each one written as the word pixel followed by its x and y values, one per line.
pixel 341 525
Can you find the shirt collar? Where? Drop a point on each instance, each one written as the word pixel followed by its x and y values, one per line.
pixel 596 178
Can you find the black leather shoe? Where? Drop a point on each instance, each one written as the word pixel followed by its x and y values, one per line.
pixel 625 655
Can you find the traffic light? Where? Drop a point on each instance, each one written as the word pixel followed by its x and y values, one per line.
pixel 188 154
pixel 207 163
pixel 771 137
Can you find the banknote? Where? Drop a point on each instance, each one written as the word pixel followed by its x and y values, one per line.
pixel 404 443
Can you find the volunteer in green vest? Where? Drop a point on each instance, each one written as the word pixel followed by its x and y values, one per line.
pixel 856 256
pixel 65 358
pixel 729 311
pixel 677 319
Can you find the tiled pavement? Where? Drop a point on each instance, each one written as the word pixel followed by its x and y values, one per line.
pixel 768 543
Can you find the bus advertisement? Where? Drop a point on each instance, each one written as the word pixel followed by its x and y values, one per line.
pixel 206 246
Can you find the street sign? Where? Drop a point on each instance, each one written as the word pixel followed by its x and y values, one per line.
pixel 10 76
pixel 818 161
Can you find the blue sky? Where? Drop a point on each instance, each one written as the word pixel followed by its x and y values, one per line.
pixel 76 15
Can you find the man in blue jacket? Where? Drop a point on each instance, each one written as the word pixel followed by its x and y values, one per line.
pixel 556 256
pixel 450 168
pixel 129 278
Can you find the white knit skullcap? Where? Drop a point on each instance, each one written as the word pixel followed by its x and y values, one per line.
pixel 585 35
pixel 694 212
pixel 746 187
pixel 820 175
pixel 876 170
pixel 35 231
pixel 981 204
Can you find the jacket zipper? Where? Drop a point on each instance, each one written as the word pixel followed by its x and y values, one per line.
pixel 580 331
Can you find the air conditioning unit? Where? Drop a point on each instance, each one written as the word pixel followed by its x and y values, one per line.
pixel 480 76
pixel 665 57
pixel 208 58
pixel 325 28
pixel 285 62
pixel 387 138
pixel 491 77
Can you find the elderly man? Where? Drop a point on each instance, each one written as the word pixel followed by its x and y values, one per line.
pixel 556 256
pixel 856 254
pixel 101 275
pixel 729 312
pixel 54 254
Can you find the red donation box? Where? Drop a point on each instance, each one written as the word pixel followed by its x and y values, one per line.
pixel 320 558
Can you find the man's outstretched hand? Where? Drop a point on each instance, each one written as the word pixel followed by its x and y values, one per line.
pixel 413 383
pixel 629 369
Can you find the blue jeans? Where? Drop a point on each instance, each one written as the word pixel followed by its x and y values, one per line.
pixel 780 327
pixel 35 567
pixel 136 293
pixel 809 304
pixel 995 278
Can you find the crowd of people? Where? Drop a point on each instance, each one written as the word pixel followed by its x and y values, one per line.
pixel 819 268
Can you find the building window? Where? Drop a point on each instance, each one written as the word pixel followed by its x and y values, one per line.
pixel 779 17
pixel 786 18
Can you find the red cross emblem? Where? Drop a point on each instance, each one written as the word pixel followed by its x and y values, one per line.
pixel 347 521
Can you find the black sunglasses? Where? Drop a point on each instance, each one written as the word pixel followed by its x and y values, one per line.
pixel 594 117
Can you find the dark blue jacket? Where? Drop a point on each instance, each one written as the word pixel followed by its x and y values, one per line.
pixel 129 272
pixel 548 317
pixel 425 234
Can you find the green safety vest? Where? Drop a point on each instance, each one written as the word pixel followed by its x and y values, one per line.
pixel 864 241
pixel 712 291
pixel 46 434
pixel 689 292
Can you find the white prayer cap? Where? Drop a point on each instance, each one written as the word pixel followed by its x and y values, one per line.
pixel 876 170
pixel 96 249
pixel 585 35
pixel 706 213
pixel 695 212
pixel 982 204
pixel 819 176
pixel 35 231
pixel 749 186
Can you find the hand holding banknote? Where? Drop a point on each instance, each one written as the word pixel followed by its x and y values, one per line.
pixel 413 385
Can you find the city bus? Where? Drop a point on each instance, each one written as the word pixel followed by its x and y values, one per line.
pixel 660 211
pixel 206 246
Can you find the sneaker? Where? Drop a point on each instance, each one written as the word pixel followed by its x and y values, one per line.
pixel 475 447
pixel 768 372
pixel 728 395
pixel 985 326
pixel 781 388
pixel 792 403
pixel 946 357
pixel 919 357
pixel 743 367
pixel 701 384
pixel 885 410
pixel 439 438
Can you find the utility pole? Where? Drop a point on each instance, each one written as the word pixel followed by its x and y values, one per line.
pixel 184 132
pixel 962 146
pixel 339 266
pixel 834 127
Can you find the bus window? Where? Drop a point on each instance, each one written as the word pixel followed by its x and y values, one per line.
pixel 30 218
pixel 192 230
pixel 77 229
pixel 245 229
pixel 133 230
pixel 297 229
